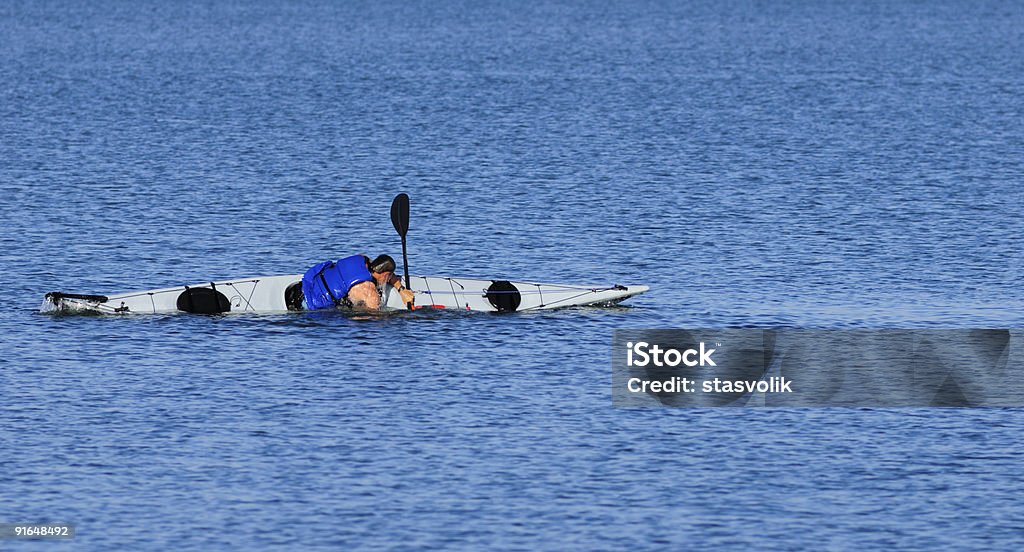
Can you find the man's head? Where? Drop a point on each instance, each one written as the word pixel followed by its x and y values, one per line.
pixel 382 267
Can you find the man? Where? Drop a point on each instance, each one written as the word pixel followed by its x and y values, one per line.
pixel 354 281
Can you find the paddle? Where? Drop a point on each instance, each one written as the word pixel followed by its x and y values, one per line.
pixel 400 219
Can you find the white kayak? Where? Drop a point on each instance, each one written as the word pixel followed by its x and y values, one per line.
pixel 284 293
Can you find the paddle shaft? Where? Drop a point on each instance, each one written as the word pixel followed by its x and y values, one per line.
pixel 405 262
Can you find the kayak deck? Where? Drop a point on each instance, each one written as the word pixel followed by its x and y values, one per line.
pixel 284 293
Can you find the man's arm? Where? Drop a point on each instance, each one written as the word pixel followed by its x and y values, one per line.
pixel 364 296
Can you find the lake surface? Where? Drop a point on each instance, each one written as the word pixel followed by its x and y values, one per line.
pixel 757 164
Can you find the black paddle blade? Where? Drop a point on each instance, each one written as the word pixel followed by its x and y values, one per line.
pixel 400 214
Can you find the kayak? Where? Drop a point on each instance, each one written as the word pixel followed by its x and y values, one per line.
pixel 284 293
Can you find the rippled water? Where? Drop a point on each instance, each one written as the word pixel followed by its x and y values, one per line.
pixel 788 163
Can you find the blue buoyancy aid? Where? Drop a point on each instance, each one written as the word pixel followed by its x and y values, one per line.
pixel 327 283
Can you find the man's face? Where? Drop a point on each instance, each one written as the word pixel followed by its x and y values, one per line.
pixel 381 277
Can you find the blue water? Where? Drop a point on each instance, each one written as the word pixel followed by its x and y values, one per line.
pixel 756 163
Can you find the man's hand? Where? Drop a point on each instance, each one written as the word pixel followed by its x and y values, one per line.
pixel 407 295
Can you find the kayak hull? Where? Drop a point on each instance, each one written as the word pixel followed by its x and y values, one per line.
pixel 284 293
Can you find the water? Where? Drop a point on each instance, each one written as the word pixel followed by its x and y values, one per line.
pixel 757 164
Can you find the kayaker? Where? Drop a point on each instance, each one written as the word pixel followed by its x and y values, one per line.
pixel 353 281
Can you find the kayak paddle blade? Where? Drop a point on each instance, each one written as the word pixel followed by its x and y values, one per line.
pixel 400 214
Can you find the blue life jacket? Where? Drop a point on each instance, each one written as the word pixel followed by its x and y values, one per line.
pixel 326 284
